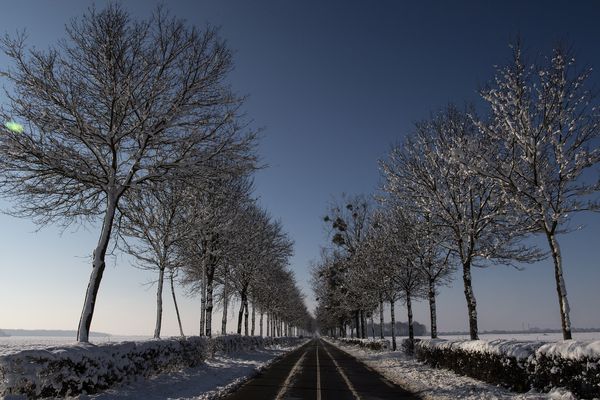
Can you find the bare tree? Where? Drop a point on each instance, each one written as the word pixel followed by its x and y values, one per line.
pixel 152 227
pixel 391 253
pixel 383 261
pixel 348 219
pixel 116 105
pixel 429 173
pixel 226 295
pixel 545 127
pixel 335 306
pixel 172 275
pixel 401 250
pixel 213 218
pixel 261 243
pixel 427 255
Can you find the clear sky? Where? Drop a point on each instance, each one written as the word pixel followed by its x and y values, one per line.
pixel 334 84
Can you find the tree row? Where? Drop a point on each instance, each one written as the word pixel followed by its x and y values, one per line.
pixel 466 191
pixel 132 123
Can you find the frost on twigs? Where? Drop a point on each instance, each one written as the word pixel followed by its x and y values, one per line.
pixel 116 107
pixel 543 130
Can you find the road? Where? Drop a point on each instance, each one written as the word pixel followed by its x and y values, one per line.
pixel 320 371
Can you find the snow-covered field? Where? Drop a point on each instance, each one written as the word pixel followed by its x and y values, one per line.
pixel 15 343
pixel 439 384
pixel 12 344
pixel 543 337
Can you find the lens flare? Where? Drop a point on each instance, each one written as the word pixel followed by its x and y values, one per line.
pixel 14 127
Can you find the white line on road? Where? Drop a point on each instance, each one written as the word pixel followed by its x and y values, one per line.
pixel 289 378
pixel 318 375
pixel 348 383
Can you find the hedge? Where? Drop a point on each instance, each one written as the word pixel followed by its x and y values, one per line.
pixel 87 368
pixel 520 366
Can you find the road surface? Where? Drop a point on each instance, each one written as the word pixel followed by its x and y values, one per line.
pixel 319 371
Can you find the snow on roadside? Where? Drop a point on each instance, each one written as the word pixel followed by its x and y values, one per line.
pixel 567 349
pixel 570 349
pixel 211 380
pixel 439 384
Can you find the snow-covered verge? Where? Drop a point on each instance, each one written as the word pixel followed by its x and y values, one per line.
pixel 213 379
pixel 71 370
pixel 371 344
pixel 439 384
pixel 519 365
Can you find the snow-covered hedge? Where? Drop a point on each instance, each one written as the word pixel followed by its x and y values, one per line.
pixel 70 370
pixel 371 344
pixel 520 365
pixel 234 343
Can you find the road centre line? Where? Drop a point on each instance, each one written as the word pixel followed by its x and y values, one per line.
pixel 318 375
pixel 348 383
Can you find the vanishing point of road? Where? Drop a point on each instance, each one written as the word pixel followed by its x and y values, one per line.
pixel 318 370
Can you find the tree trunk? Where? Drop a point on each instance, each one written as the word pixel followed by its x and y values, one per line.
pixel 210 275
pixel 471 303
pixel 225 308
pixel 203 304
pixel 432 309
pixel 357 323
pixel 241 314
pixel 175 303
pixel 411 332
pixel 381 322
pixel 372 326
pixel 268 326
pixel 363 324
pixel 246 316
pixel 261 323
pixel 159 303
pixel 87 313
pixel 561 288
pixel 253 319
pixel 393 318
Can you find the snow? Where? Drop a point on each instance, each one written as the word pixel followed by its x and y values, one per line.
pixel 572 350
pixel 14 344
pixel 539 336
pixel 569 349
pixel 373 344
pixel 511 348
pixel 214 378
pixel 440 384
pixel 76 368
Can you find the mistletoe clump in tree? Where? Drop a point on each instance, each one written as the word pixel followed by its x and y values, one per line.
pixel 432 174
pixel 348 220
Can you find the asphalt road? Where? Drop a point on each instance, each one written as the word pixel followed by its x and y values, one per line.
pixel 319 371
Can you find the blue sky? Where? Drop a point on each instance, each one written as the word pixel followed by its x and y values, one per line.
pixel 334 84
